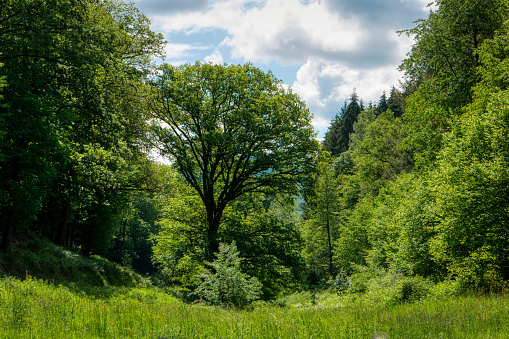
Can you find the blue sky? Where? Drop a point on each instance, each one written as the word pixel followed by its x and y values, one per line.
pixel 323 49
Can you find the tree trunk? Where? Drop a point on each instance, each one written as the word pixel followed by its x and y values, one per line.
pixel 63 232
pixel 329 240
pixel 7 230
pixel 213 220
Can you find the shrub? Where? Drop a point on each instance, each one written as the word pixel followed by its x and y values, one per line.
pixel 342 282
pixel 225 284
pixel 389 287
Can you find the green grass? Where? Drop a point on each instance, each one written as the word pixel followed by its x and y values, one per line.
pixel 84 297
pixel 36 309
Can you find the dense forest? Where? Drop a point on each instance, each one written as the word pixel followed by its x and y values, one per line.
pixel 411 189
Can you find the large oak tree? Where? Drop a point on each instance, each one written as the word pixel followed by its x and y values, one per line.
pixel 231 130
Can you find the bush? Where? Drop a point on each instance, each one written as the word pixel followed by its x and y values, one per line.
pixel 389 287
pixel 342 282
pixel 225 284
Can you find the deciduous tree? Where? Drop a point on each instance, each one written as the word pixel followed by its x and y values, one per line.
pixel 231 130
pixel 73 114
pixel 321 229
pixel 444 61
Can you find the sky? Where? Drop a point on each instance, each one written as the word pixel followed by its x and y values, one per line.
pixel 322 49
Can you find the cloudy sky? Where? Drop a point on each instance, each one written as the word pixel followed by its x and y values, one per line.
pixel 323 49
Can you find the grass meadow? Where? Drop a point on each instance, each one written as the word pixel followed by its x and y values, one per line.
pixel 35 309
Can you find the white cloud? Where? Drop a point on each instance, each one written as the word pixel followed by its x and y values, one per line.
pixel 306 85
pixel 320 123
pixel 426 5
pixel 178 54
pixel 320 82
pixel 215 58
pixel 290 33
pixel 339 45
pixel 325 85
pixel 175 51
pixel 281 30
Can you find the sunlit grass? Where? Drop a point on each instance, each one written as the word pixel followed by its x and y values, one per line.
pixel 34 309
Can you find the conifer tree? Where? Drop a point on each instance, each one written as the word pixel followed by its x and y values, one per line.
pixel 337 138
pixel 382 104
pixel 396 102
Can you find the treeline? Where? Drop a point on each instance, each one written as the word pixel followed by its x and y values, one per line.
pixel 416 185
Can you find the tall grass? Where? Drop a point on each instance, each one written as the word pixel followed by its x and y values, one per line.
pixel 35 309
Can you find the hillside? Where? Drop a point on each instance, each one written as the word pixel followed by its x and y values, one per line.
pixel 34 256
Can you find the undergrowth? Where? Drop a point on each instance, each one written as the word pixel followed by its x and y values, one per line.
pixel 34 256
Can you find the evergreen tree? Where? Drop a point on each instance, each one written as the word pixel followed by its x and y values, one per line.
pixel 337 138
pixel 330 143
pixel 396 102
pixel 348 118
pixel 382 104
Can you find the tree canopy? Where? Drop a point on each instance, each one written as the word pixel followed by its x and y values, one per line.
pixel 72 116
pixel 231 130
pixel 444 62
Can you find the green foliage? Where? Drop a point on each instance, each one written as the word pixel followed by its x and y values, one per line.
pixel 382 104
pixel 360 127
pixel 232 130
pixel 226 284
pixel 446 220
pixel 415 220
pixel 456 29
pixel 332 136
pixel 378 158
pixel 75 133
pixel 3 82
pixel 240 141
pixel 352 245
pixel 321 228
pixel 74 116
pixel 444 59
pixel 396 102
pixel 373 161
pixel 39 258
pixel 473 186
pixel 132 245
pixel 472 181
pixel 337 138
pixel 381 286
pixel 180 243
pixel 266 230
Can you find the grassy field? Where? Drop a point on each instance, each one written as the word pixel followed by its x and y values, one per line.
pixel 35 309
